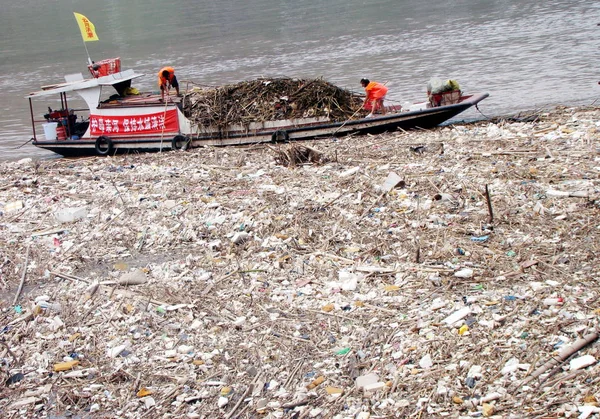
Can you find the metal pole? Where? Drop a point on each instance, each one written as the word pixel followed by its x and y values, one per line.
pixel 88 53
pixel 67 127
pixel 32 119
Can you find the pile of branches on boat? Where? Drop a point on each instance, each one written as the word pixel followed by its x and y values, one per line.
pixel 268 99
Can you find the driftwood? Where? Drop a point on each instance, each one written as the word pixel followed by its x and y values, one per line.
pixel 298 154
pixel 248 391
pixel 562 356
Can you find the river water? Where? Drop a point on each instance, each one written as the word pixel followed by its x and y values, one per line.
pixel 526 54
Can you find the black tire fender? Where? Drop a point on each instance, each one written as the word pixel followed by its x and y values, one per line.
pixel 180 142
pixel 280 136
pixel 104 145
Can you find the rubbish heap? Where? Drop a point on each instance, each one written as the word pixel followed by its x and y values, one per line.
pixel 443 273
pixel 269 99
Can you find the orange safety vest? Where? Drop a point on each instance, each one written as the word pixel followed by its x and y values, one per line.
pixel 375 91
pixel 163 81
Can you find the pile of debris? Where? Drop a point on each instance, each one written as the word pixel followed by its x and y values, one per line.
pixel 297 154
pixel 426 274
pixel 269 99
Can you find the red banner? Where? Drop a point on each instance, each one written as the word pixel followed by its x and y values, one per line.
pixel 151 123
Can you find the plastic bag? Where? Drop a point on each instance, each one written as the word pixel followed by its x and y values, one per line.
pixel 435 85
pixel 452 85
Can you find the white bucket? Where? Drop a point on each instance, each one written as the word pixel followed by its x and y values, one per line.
pixel 50 130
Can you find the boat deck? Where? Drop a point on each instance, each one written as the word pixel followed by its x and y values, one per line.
pixel 141 100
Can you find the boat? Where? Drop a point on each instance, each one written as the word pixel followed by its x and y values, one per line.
pixel 142 122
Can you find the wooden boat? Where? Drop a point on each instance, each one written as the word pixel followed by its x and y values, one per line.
pixel 142 122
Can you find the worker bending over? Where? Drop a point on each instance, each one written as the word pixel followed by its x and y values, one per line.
pixel 166 79
pixel 375 94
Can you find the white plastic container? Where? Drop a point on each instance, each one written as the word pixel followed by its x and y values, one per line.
pixel 417 106
pixel 68 215
pixel 457 315
pixel 50 130
pixel 464 273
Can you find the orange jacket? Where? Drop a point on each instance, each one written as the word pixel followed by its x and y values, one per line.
pixel 163 81
pixel 375 91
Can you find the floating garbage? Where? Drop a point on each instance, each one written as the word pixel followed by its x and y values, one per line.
pixel 376 280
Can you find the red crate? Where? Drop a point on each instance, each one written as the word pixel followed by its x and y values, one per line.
pixel 63 113
pixel 445 98
pixel 105 67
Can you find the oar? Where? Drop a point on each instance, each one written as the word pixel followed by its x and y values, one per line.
pixel 349 119
pixel 355 113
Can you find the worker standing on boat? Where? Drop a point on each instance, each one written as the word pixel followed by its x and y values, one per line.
pixel 375 95
pixel 167 79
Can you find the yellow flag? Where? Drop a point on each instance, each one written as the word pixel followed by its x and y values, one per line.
pixel 87 28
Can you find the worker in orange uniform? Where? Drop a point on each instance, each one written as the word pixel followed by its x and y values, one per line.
pixel 167 79
pixel 375 95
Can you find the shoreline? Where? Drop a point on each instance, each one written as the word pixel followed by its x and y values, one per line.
pixel 481 117
pixel 542 109
pixel 217 275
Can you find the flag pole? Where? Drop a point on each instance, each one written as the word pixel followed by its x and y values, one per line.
pixel 88 53
pixel 88 32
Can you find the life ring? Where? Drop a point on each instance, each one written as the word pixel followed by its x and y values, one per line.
pixel 180 142
pixel 104 145
pixel 280 136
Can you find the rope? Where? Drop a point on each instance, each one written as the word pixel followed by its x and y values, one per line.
pixel 485 116
pixel 26 142
pixel 348 120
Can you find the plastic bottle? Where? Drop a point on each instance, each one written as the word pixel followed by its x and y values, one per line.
pixel 480 238
pixel 46 307
pixel 553 301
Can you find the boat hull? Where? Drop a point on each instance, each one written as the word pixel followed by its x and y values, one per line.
pixel 424 119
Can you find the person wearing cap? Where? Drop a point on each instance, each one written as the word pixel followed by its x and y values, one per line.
pixel 375 95
pixel 167 79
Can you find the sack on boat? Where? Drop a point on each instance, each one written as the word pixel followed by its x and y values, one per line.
pixel 435 86
pixel 452 85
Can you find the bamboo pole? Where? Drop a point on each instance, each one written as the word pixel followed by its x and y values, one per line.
pixel 489 203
